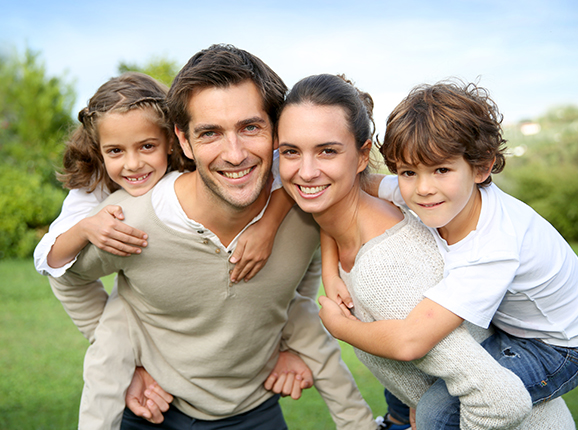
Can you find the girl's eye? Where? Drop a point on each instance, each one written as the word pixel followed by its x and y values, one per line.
pixel 113 151
pixel 148 146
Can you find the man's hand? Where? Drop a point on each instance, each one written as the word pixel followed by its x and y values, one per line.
pixel 145 398
pixel 289 376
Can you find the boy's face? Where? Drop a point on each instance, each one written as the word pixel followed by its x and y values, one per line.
pixel 444 196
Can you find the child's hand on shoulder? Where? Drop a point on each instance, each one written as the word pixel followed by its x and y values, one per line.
pixel 252 252
pixel 107 231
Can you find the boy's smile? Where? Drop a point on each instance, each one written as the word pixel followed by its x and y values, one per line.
pixel 444 196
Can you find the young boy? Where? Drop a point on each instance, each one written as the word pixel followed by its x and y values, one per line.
pixel 504 264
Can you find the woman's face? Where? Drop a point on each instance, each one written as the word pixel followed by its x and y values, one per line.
pixel 318 160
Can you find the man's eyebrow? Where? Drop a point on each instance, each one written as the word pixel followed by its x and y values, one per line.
pixel 200 128
pixel 252 120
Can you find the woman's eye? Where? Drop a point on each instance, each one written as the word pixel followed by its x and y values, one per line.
pixel 329 151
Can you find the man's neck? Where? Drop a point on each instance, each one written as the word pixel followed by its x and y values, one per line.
pixel 202 206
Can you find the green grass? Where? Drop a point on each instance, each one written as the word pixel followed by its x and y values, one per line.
pixel 41 355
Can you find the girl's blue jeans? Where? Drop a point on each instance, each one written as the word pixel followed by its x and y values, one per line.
pixel 547 371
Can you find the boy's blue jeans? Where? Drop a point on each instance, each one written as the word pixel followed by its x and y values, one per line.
pixel 547 371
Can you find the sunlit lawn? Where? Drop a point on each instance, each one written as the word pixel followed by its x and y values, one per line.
pixel 41 354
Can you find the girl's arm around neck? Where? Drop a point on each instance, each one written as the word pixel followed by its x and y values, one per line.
pixel 403 340
pixel 256 243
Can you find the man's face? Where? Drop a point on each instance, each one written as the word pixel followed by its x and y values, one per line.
pixel 230 139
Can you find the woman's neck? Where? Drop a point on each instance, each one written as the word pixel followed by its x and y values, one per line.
pixel 355 221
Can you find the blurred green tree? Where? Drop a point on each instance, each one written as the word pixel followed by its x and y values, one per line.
pixel 160 68
pixel 545 172
pixel 35 116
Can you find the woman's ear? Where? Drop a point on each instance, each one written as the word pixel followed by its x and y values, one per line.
pixel 364 154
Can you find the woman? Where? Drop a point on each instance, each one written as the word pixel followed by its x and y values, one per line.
pixel 387 258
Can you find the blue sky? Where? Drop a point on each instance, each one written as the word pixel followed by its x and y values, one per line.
pixel 524 52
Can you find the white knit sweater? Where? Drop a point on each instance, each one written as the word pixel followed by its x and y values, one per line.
pixel 390 274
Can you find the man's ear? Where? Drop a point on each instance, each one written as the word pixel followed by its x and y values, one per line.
pixel 184 142
pixel 365 152
pixel 483 172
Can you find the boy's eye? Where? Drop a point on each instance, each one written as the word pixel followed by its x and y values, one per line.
pixel 407 173
pixel 442 170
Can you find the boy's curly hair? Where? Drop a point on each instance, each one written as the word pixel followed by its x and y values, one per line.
pixel 446 120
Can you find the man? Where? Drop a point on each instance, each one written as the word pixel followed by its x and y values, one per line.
pixel 205 340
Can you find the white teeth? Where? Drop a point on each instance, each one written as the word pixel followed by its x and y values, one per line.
pixel 312 190
pixel 140 178
pixel 236 175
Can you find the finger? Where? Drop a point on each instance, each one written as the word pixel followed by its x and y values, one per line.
pixel 115 211
pixel 139 410
pixel 162 393
pixel 157 415
pixel 238 254
pixel 345 297
pixel 115 251
pixel 288 385
pixel 278 387
pixel 270 381
pixel 244 266
pixel 159 400
pixel 306 382
pixel 296 389
pixel 256 268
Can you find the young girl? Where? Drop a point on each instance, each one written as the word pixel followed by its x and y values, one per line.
pixel 444 141
pixel 387 257
pixel 125 141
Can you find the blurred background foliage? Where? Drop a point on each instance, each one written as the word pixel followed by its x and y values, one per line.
pixel 36 116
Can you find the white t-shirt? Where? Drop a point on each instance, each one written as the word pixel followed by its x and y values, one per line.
pixel 514 270
pixel 79 204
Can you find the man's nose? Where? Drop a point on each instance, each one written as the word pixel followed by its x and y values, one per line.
pixel 235 152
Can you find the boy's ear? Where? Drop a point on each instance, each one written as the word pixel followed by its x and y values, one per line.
pixel 484 171
pixel 184 142
pixel 364 156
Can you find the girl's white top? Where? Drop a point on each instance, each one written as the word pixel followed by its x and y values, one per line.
pixel 79 204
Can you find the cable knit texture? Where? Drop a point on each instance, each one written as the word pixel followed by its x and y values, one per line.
pixel 390 274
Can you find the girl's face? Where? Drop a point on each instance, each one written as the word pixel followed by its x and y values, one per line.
pixel 134 149
pixel 319 162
